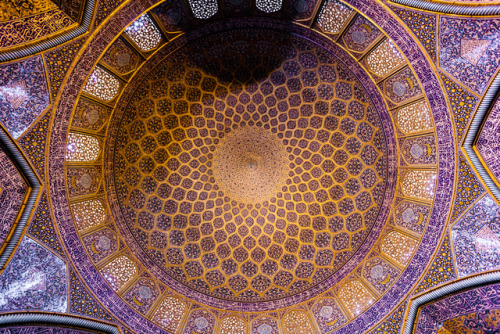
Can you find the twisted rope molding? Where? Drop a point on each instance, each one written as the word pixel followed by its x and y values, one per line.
pixel 56 319
pixel 34 184
pixel 479 117
pixel 448 8
pixel 52 42
pixel 463 284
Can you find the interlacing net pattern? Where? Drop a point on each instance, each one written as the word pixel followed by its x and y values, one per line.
pixel 203 9
pixel 82 148
pixel 419 184
pixel 119 272
pixel 384 59
pixel 399 247
pixel 233 325
pixel 319 210
pixel 269 6
pixel 144 33
pixel 356 297
pixel 169 314
pixel 297 322
pixel 102 85
pixel 415 117
pixel 88 214
pixel 333 16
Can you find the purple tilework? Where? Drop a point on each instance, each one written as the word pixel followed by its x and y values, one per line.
pixel 13 189
pixel 83 264
pixel 265 325
pixel 157 271
pixel 316 64
pixel 360 35
pixel 200 321
pixel 476 238
pixel 470 50
pixel 431 88
pixel 23 94
pixel 488 143
pixel 479 300
pixel 374 314
pixel 41 330
pixel 423 25
pixel 35 279
pixel 328 315
pixel 42 228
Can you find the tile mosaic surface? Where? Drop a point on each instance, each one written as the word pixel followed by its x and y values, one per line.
pixel 469 188
pixel 393 324
pixel 374 314
pixel 442 268
pixel 473 311
pixel 121 57
pixel 463 104
pixel 360 35
pixel 301 9
pixel 488 143
pixel 200 321
pixel 23 94
pixel 328 315
pixel 470 50
pixel 423 25
pixel 41 330
pixel 58 62
pixel 42 228
pixel 247 248
pixel 13 190
pixel 173 15
pixel 104 8
pixel 476 238
pixel 81 301
pixel 402 86
pixel 20 30
pixel 34 141
pixel 35 279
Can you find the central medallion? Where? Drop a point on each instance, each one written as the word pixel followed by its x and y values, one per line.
pixel 250 165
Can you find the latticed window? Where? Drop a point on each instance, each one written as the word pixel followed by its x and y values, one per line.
pixel 419 184
pixel 82 148
pixel 203 9
pixel 233 325
pixel 119 271
pixel 414 118
pixel 384 58
pixel 144 33
pixel 297 322
pixel 102 85
pixel 170 313
pixel 333 16
pixel 355 297
pixel 398 247
pixel 88 214
pixel 269 6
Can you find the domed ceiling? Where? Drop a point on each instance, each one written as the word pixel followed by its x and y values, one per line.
pixel 250 165
pixel 253 167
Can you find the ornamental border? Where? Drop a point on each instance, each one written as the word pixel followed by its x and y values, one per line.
pixel 34 187
pixel 451 8
pixel 481 115
pixel 23 319
pixel 55 41
pixel 446 291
